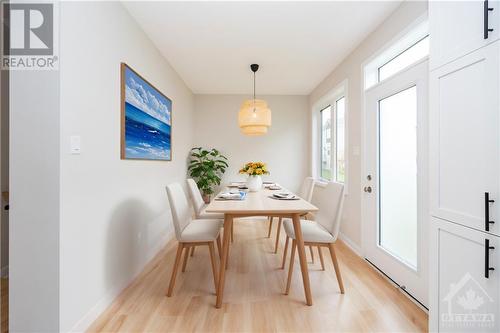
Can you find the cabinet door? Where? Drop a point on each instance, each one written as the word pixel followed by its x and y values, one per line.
pixel 462 298
pixel 464 139
pixel 457 28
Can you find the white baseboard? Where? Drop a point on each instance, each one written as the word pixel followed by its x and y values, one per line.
pixel 5 271
pixel 84 323
pixel 353 246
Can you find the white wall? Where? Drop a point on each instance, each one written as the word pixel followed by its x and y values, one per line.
pixel 34 202
pixel 114 213
pixel 4 168
pixel 351 69
pixel 284 148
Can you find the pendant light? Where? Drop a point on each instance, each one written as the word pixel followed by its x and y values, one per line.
pixel 254 117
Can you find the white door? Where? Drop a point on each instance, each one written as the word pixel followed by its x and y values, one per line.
pixel 465 282
pixel 460 27
pixel 464 99
pixel 395 194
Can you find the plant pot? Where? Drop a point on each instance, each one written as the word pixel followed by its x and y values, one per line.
pixel 254 183
pixel 206 198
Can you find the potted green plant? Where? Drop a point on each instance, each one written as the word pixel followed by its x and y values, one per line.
pixel 206 167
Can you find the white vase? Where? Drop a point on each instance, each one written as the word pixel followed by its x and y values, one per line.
pixel 254 183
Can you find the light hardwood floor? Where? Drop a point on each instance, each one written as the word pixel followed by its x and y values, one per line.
pixel 5 305
pixel 254 299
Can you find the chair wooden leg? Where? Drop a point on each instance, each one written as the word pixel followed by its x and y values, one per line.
pixel 186 254
pixel 285 253
pixel 174 269
pixel 290 269
pixel 277 236
pixel 336 266
pixel 270 226
pixel 219 246
pixel 214 266
pixel 192 251
pixel 312 254
pixel 320 254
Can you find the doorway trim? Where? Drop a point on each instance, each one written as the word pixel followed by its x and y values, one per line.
pixel 423 151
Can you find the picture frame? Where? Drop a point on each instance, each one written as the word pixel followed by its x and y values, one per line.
pixel 146 119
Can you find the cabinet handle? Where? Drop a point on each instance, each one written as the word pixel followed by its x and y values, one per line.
pixel 487 267
pixel 487 202
pixel 486 28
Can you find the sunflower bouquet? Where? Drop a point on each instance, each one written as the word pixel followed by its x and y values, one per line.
pixel 254 169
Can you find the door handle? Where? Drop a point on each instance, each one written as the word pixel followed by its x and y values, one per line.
pixel 368 189
pixel 487 267
pixel 487 202
pixel 486 10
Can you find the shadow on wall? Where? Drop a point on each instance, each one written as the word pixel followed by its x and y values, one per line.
pixel 129 241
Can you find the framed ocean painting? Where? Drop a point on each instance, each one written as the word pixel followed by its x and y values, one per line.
pixel 146 119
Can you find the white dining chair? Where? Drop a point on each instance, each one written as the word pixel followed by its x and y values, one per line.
pixel 306 192
pixel 323 231
pixel 190 232
pixel 198 203
pixel 199 206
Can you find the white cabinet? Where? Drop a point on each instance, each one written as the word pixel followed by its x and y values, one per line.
pixel 464 292
pixel 458 27
pixel 465 140
pixel 464 151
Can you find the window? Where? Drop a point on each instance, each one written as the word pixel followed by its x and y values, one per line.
pixel 326 143
pixel 408 48
pixel 409 56
pixel 333 129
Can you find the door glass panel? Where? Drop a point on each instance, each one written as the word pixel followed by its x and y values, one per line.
pixel 398 175
pixel 326 143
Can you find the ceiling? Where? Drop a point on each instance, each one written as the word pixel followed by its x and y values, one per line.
pixel 297 44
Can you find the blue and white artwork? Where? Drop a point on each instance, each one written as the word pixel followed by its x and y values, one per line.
pixel 146 119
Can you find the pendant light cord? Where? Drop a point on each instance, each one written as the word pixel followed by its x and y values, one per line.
pixel 254 86
pixel 253 91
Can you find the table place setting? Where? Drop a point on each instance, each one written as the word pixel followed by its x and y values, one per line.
pixel 272 186
pixel 239 185
pixel 284 196
pixel 232 194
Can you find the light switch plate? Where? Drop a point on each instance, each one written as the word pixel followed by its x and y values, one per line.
pixel 355 150
pixel 75 144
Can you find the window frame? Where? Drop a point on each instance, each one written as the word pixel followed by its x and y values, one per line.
pixel 330 100
pixel 335 130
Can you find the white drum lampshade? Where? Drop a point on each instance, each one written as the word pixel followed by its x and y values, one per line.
pixel 254 117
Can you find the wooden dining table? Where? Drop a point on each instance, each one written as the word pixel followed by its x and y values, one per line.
pixel 261 204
